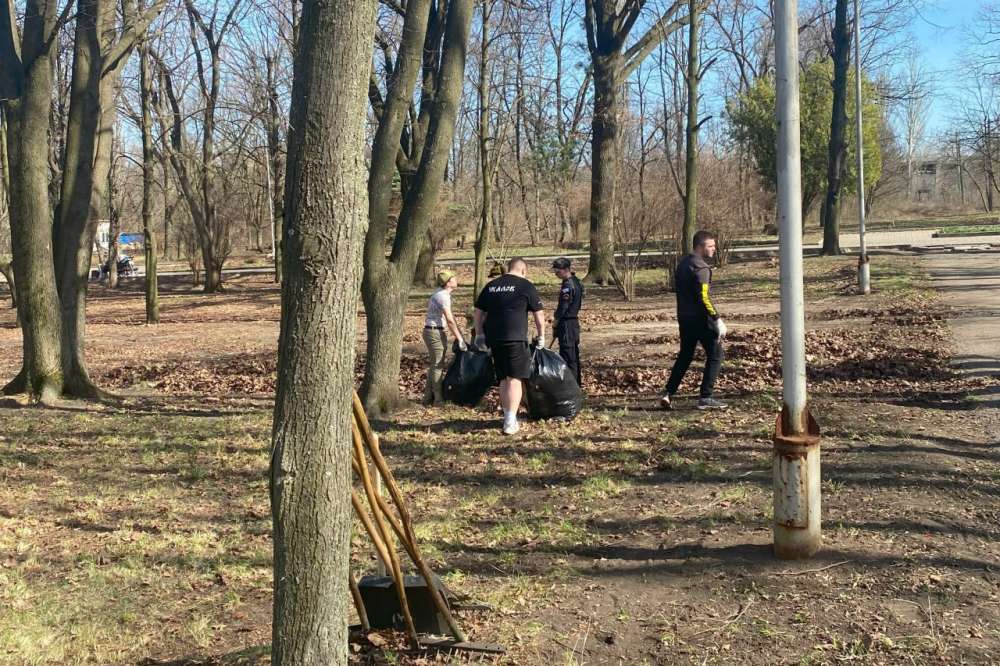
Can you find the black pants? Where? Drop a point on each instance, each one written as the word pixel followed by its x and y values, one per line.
pixel 693 333
pixel 568 334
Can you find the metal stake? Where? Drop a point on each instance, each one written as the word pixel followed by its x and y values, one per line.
pixel 796 440
pixel 864 268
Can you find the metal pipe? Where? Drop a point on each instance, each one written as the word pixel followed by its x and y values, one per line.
pixel 864 268
pixel 793 364
pixel 796 467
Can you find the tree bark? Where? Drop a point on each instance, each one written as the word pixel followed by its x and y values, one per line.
pixel 326 204
pixel 691 162
pixel 837 160
pixel 76 217
pixel 605 148
pixel 30 206
pixel 388 280
pixel 485 226
pixel 148 161
pixel 608 24
pixel 424 273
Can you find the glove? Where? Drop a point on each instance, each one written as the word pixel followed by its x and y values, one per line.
pixel 462 346
pixel 720 326
pixel 539 342
pixel 480 342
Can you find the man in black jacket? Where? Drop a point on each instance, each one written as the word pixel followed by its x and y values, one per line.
pixel 566 323
pixel 699 322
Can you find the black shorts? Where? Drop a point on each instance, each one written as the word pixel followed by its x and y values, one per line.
pixel 511 360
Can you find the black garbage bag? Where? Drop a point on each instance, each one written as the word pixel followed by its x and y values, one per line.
pixel 552 391
pixel 469 378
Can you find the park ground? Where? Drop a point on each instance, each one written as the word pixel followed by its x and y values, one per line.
pixel 139 532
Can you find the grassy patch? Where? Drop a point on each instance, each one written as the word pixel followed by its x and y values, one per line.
pixel 983 229
pixel 603 486
pixel 133 519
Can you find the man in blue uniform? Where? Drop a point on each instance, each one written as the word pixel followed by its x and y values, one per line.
pixel 699 322
pixel 566 323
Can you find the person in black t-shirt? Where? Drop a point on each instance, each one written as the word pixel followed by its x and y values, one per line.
pixel 501 318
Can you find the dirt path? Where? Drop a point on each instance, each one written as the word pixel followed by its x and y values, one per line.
pixel 970 283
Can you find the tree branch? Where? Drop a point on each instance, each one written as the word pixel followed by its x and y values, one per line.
pixel 11 67
pixel 656 34
pixel 131 34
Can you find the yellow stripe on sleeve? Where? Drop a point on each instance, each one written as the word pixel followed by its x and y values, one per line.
pixel 707 301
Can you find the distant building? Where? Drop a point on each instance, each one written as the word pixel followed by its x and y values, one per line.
pixel 934 179
pixel 125 241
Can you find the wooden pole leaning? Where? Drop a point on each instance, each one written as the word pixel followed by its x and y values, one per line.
pixel 394 564
pixel 359 603
pixel 404 527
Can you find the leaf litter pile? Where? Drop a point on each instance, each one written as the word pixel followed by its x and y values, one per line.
pixel 904 354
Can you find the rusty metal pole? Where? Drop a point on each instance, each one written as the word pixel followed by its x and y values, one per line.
pixel 864 267
pixel 796 437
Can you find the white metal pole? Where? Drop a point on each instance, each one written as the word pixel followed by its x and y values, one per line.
pixel 864 268
pixel 789 166
pixel 796 441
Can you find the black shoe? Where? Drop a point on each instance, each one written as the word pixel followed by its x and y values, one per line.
pixel 665 402
pixel 711 403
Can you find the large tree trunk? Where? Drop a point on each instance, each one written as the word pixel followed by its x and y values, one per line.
pixel 31 211
pixel 99 56
pixel 326 205
pixel 213 275
pixel 387 281
pixel 605 145
pixel 76 214
pixel 75 253
pixel 691 162
pixel 837 161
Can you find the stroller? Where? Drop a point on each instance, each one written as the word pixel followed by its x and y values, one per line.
pixel 125 267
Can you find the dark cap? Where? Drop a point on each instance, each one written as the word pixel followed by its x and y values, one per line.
pixel 561 263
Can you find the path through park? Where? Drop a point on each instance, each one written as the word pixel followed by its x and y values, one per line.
pixel 970 283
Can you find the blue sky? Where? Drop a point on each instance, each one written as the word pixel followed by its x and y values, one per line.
pixel 942 32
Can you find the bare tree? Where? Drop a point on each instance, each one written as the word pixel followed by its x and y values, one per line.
pixel 200 178
pixel 325 213
pixel 26 79
pixel 837 148
pixel 913 113
pixel 148 163
pixel 416 143
pixel 609 24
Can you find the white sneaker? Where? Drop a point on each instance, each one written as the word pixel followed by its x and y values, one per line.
pixel 511 427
